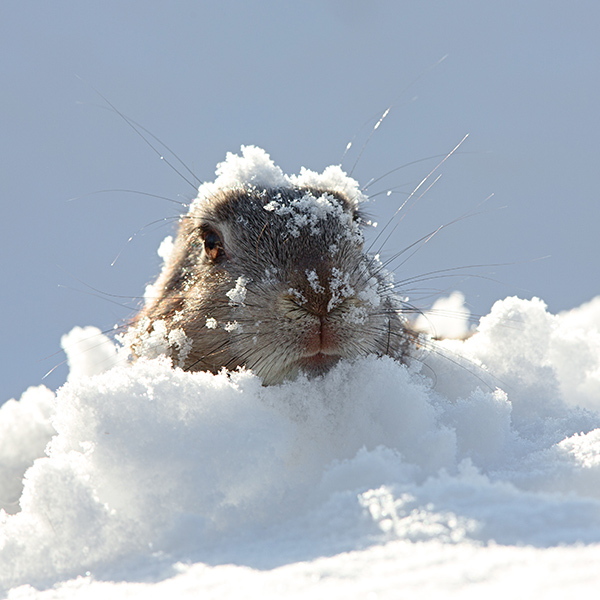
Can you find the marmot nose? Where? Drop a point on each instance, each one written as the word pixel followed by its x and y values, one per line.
pixel 318 306
pixel 323 338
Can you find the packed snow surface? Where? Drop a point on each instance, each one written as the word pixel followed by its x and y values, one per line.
pixel 437 478
pixel 472 471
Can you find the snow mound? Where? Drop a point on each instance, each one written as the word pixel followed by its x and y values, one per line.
pixel 447 319
pixel 171 482
pixel 256 168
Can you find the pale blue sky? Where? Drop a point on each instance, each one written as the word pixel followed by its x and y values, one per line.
pixel 299 79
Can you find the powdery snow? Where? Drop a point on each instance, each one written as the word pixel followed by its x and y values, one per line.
pixel 237 295
pixel 475 470
pixel 448 318
pixel 255 167
pixel 375 479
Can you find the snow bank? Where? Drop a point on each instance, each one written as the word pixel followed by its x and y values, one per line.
pixel 482 469
pixel 447 319
pixel 473 470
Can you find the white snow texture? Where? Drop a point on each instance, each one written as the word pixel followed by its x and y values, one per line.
pixel 473 471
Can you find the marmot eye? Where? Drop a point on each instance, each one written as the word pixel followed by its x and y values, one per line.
pixel 213 246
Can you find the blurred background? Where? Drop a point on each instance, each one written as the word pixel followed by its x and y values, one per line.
pixel 300 79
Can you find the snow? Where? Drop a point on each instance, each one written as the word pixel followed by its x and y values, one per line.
pixel 237 295
pixel 256 168
pixel 310 211
pixel 165 251
pixel 375 478
pixel 140 341
pixel 474 470
pixel 313 280
pixel 448 318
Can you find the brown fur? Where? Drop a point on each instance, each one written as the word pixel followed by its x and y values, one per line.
pixel 312 296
